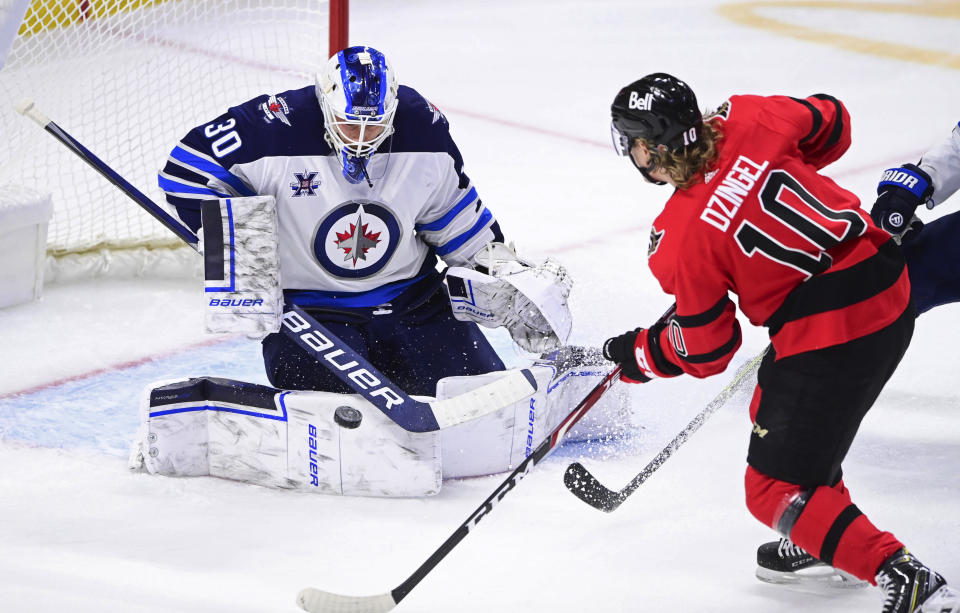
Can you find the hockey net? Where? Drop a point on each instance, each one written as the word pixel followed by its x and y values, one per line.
pixel 128 78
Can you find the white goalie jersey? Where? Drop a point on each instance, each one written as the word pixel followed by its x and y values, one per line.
pixel 355 245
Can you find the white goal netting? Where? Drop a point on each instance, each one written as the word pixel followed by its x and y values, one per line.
pixel 128 78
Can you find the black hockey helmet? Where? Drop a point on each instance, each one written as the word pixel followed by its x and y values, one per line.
pixel 659 108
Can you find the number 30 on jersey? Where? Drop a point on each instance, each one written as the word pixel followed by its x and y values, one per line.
pixel 228 142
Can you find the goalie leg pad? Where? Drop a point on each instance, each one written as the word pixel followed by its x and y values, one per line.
pixel 495 442
pixel 576 371
pixel 241 266
pixel 266 436
pixel 501 440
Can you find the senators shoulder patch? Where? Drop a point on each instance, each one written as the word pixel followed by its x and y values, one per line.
pixel 723 110
pixel 655 238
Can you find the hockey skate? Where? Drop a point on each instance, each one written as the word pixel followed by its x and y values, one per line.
pixel 910 587
pixel 783 562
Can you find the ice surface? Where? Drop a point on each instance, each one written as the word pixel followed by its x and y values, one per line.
pixel 526 86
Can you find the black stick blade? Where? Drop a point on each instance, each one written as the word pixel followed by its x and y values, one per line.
pixel 586 487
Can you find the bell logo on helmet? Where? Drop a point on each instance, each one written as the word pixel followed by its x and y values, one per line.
pixel 642 104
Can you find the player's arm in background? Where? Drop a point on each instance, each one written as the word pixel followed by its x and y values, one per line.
pixel 197 168
pixel 942 163
pixel 931 181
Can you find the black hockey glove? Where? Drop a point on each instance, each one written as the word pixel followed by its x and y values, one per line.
pixel 900 192
pixel 620 349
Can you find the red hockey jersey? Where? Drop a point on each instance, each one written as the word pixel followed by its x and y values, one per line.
pixel 797 250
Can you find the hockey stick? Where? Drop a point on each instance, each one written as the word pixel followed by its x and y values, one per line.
pixel 586 487
pixel 341 359
pixel 313 600
pixel 27 107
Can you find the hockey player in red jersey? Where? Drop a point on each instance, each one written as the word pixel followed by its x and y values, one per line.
pixel 751 215
pixel 933 261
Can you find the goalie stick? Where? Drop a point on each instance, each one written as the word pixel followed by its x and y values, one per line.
pixel 413 415
pixel 314 600
pixel 341 359
pixel 586 487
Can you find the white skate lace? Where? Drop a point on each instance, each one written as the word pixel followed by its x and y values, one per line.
pixel 889 590
pixel 788 549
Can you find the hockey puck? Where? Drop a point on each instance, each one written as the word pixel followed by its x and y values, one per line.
pixel 347 417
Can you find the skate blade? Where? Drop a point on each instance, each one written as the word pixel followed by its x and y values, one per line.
pixel 944 600
pixel 819 576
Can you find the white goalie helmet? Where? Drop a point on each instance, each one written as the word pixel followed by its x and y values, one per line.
pixel 358 95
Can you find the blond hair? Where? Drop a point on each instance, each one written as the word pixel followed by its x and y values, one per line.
pixel 687 166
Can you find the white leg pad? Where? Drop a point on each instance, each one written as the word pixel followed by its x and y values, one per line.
pixel 262 435
pixel 501 440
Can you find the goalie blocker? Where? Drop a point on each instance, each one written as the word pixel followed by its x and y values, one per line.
pixel 331 443
pixel 241 266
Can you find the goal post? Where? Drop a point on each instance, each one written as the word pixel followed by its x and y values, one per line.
pixel 131 77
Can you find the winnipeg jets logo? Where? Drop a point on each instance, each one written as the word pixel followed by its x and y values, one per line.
pixel 305 185
pixel 275 108
pixel 655 238
pixel 356 241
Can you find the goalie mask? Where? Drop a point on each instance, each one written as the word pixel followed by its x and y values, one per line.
pixel 660 109
pixel 358 95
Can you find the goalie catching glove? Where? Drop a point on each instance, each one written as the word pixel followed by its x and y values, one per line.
pixel 530 301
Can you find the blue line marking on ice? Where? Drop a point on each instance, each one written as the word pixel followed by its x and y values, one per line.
pixel 103 412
